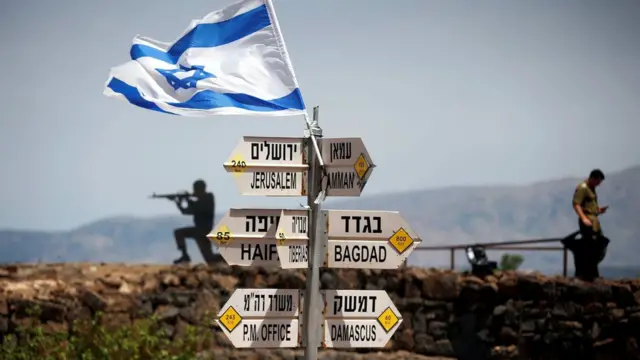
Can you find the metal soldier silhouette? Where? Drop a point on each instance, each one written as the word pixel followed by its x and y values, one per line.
pixel 203 211
pixel 590 250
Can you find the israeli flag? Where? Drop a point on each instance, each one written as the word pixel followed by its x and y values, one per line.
pixel 232 62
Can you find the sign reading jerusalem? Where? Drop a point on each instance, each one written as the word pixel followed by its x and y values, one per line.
pixel 253 237
pixel 261 318
pixel 367 239
pixel 349 166
pixel 269 166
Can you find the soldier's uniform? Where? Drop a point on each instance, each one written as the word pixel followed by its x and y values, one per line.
pixel 587 198
pixel 593 245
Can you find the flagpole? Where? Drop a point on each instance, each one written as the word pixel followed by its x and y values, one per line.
pixel 312 125
pixel 312 325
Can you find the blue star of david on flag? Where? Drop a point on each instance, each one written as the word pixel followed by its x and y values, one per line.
pixel 188 82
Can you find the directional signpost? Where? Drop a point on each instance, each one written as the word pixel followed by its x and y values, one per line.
pixel 249 237
pixel 261 318
pixel 269 166
pixel 367 239
pixel 309 238
pixel 359 318
pixel 349 166
pixel 293 240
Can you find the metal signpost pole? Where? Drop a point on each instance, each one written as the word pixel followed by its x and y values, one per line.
pixel 309 238
pixel 312 300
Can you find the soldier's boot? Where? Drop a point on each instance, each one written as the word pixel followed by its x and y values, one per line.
pixel 184 259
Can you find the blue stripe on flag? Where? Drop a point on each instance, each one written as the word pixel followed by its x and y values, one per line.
pixel 208 35
pixel 208 100
pixel 133 95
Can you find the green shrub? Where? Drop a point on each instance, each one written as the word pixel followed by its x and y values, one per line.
pixel 511 262
pixel 144 340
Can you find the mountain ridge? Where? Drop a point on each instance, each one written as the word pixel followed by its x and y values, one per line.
pixel 446 215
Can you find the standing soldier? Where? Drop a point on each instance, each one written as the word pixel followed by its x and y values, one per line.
pixel 592 247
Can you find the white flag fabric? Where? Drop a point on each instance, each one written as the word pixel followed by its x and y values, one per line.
pixel 231 62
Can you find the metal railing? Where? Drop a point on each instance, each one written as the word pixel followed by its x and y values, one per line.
pixel 516 245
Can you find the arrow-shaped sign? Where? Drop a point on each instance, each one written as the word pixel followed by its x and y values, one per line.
pixel 357 318
pixel 261 318
pixel 269 166
pixel 293 240
pixel 367 239
pixel 349 166
pixel 249 237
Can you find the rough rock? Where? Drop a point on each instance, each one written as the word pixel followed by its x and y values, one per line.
pixel 503 316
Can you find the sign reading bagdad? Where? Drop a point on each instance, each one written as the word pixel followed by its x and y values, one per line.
pixel 261 318
pixel 368 239
pixel 269 166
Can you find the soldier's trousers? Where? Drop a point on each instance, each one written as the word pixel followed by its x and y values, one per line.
pixel 588 252
pixel 200 237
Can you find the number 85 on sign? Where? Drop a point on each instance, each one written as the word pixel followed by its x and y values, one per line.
pixel 222 236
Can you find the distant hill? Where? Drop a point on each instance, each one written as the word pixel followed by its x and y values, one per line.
pixel 498 213
pixel 120 239
pixel 441 216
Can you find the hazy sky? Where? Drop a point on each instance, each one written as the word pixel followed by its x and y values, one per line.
pixel 443 93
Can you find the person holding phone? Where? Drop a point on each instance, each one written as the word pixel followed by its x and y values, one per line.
pixel 593 244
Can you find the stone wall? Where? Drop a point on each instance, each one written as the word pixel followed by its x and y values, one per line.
pixel 503 316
